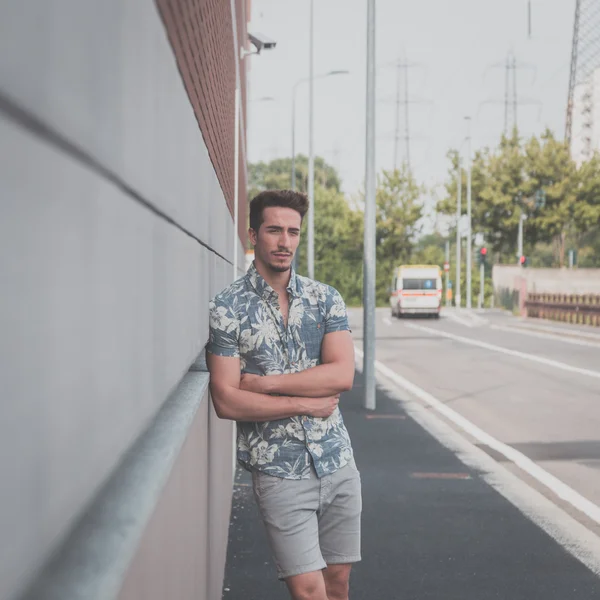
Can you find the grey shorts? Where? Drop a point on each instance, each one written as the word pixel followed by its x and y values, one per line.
pixel 311 523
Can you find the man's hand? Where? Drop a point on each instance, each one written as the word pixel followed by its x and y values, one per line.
pixel 253 383
pixel 320 407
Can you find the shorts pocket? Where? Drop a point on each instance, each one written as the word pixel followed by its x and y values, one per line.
pixel 266 484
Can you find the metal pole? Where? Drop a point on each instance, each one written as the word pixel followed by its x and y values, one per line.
pixel 469 224
pixel 406 125
pixel 520 238
pixel 294 138
pixel 297 254
pixel 311 158
pixel 458 237
pixel 370 220
pixel 236 181
pixel 447 272
pixel 481 278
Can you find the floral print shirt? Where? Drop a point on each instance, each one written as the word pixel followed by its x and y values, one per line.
pixel 246 322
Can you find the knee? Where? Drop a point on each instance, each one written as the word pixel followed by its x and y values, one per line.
pixel 337 587
pixel 309 591
pixel 310 587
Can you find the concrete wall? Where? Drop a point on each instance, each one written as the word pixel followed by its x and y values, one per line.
pixel 114 234
pixel 563 281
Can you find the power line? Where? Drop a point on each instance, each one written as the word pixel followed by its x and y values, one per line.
pixel 402 98
pixel 512 100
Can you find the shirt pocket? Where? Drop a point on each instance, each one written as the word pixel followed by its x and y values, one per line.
pixel 313 330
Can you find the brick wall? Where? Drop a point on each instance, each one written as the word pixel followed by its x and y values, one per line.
pixel 201 34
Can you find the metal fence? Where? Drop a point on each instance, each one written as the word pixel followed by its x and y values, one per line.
pixel 583 309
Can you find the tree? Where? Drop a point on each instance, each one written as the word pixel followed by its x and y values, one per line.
pixel 338 228
pixel 338 245
pixel 398 213
pixel 277 175
pixel 550 169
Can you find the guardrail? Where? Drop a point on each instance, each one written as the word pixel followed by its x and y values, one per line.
pixel 583 309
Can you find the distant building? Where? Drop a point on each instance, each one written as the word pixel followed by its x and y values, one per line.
pixel 585 135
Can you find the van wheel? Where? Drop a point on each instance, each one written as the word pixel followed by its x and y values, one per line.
pixel 437 315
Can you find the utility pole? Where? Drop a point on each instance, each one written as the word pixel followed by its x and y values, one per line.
pixel 522 218
pixel 469 216
pixel 236 181
pixel 406 129
pixel 311 158
pixel 402 98
pixel 370 225
pixel 447 269
pixel 481 280
pixel 458 236
pixel 397 128
pixel 511 99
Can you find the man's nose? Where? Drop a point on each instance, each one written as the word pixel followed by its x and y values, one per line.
pixel 284 239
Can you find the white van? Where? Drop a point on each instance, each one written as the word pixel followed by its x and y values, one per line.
pixel 416 289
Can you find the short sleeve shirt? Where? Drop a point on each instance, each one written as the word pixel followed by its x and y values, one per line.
pixel 246 322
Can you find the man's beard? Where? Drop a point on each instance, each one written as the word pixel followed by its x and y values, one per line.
pixel 279 268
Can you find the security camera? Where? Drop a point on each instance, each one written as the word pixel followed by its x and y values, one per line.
pixel 260 42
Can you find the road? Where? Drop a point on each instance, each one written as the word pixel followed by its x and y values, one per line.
pixel 479 466
pixel 527 390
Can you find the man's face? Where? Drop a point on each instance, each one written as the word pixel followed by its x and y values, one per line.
pixel 277 239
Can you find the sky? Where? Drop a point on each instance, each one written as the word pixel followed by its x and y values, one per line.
pixel 457 50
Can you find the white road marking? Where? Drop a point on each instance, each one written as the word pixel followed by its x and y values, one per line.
pixel 386 321
pixel 532 357
pixel 454 317
pixel 478 318
pixel 571 534
pixel 549 336
pixel 562 330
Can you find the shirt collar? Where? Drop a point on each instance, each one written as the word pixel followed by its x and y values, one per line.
pixel 264 290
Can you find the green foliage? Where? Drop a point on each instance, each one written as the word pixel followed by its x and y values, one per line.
pixel 339 227
pixel 539 179
pixel 277 175
pixel 399 211
pixel 338 245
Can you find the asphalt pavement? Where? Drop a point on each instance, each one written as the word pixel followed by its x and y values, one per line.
pixel 435 526
pixel 533 385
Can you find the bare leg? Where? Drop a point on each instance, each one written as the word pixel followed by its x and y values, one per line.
pixel 308 586
pixel 337 581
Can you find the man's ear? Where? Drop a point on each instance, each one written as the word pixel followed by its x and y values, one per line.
pixel 252 236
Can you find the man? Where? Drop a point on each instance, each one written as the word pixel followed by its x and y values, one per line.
pixel 280 354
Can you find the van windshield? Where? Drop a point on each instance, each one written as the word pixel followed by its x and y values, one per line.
pixel 419 284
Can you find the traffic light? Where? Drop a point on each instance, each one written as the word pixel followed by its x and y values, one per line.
pixel 482 255
pixel 523 261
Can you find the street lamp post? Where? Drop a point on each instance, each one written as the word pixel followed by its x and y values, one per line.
pixel 293 173
pixel 369 265
pixel 458 234
pixel 311 156
pixel 469 224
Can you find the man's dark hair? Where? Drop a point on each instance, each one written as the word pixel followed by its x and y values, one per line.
pixel 284 198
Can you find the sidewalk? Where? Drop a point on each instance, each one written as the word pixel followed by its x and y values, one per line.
pixel 432 528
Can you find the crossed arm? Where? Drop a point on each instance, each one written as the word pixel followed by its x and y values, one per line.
pixel 314 392
pixel 334 376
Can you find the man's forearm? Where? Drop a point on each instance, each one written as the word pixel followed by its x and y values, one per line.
pixel 240 405
pixel 322 380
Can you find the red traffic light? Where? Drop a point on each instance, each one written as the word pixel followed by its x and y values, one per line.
pixel 483 251
pixel 523 260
